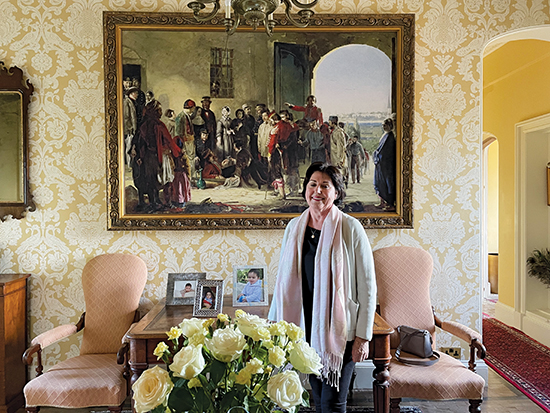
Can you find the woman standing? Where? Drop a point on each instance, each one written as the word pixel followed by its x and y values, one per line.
pixel 327 266
pixel 224 135
pixel 384 158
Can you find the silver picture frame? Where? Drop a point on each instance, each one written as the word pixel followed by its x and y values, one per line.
pixel 241 284
pixel 176 286
pixel 208 299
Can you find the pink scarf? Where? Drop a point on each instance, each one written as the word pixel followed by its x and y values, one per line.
pixel 329 327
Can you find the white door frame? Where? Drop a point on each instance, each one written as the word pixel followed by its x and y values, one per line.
pixel 522 130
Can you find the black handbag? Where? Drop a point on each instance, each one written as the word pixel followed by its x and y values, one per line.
pixel 417 342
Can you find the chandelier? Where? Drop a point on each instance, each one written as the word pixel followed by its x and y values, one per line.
pixel 254 12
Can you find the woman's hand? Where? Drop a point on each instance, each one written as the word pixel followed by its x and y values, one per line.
pixel 360 349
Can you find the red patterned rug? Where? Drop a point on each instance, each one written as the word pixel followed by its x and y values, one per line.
pixel 524 362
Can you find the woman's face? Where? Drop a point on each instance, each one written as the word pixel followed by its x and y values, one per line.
pixel 208 294
pixel 320 192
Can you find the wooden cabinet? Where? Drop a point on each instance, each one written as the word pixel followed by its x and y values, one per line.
pixel 13 340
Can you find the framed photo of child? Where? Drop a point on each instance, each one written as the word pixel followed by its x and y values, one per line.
pixel 182 287
pixel 250 286
pixel 209 298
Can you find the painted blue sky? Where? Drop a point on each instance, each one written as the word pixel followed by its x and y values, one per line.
pixel 353 78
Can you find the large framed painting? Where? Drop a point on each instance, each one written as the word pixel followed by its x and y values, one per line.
pixel 209 130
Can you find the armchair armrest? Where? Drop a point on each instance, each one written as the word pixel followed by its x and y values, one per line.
pixel 461 331
pixel 47 338
pixel 54 335
pixel 472 337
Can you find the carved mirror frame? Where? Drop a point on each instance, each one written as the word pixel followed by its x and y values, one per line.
pixel 15 95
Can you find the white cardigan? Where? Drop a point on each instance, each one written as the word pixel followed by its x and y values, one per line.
pixel 361 283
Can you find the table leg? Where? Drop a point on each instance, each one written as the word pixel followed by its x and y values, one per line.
pixel 380 387
pixel 137 362
pixel 381 374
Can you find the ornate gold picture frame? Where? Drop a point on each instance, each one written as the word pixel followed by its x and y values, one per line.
pixel 192 67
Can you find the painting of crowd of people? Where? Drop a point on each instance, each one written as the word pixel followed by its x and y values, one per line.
pixel 245 159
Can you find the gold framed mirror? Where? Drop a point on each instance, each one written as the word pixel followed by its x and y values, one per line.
pixel 15 195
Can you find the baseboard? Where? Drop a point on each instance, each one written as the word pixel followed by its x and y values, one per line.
pixel 532 324
pixel 364 370
pixel 537 327
pixel 508 315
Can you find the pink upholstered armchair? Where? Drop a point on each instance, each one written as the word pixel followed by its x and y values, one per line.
pixel 403 277
pixel 112 285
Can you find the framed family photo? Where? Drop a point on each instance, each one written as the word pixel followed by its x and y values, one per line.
pixel 182 287
pixel 250 286
pixel 193 118
pixel 209 298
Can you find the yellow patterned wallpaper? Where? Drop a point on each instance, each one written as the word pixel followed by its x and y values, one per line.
pixel 59 45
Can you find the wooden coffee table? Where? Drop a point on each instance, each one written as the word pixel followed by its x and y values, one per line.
pixel 152 329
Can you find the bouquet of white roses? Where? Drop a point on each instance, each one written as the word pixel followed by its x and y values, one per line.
pixel 217 364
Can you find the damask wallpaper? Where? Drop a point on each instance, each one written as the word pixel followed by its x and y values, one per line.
pixel 59 44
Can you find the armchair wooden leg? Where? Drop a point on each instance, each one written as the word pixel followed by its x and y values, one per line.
pixel 394 405
pixel 32 409
pixel 475 406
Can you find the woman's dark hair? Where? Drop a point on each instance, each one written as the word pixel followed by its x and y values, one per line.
pixel 335 176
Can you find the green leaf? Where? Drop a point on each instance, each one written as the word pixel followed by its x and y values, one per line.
pixel 217 371
pixel 305 398
pixel 159 409
pixel 179 382
pixel 180 399
pixel 229 400
pixel 209 385
pixel 203 400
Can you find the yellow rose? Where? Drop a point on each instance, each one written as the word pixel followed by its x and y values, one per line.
pixel 174 333
pixel 305 359
pixel 278 329
pixel 160 349
pixel 191 326
pixel 276 356
pixel 243 377
pixel 254 366
pixel 208 322
pixel 196 339
pixel 194 382
pixel 267 344
pixel 152 389
pixel 250 325
pixel 239 313
pixel 285 389
pixel 226 344
pixel 188 362
pixel 223 318
pixel 294 332
pixel 264 333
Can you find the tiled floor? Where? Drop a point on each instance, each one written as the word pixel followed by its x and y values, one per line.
pixel 500 397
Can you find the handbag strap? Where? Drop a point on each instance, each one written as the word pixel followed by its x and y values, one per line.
pixel 416 361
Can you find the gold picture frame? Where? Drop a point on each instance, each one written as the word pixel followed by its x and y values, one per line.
pixel 254 69
pixel 16 198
